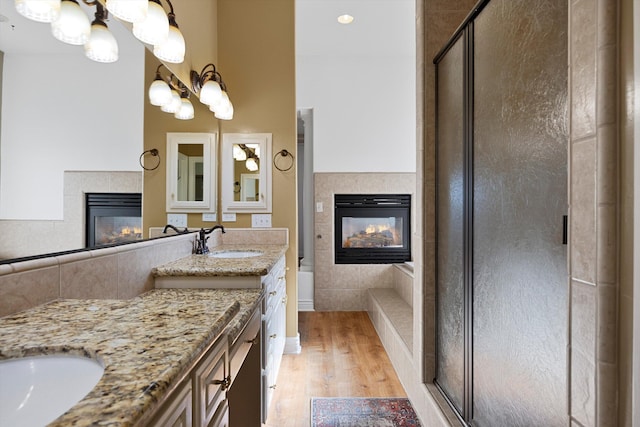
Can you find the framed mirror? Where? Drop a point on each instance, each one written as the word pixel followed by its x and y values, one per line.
pixel 191 177
pixel 246 172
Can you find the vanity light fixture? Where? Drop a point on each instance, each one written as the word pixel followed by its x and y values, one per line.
pixel 251 164
pixel 172 97
pixel 160 91
pixel 238 153
pixel 154 29
pixel 186 111
pixel 39 10
pixel 173 48
pixel 72 25
pixel 128 10
pixel 102 45
pixel 213 91
pixel 174 105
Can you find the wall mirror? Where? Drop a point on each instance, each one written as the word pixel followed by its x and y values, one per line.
pixel 246 172
pixel 191 176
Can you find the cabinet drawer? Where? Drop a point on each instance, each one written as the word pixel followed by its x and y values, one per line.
pixel 249 337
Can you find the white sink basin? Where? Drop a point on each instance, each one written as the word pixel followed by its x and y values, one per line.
pixel 235 254
pixel 34 391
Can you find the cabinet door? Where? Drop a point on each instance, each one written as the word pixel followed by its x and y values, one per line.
pixel 211 382
pixel 177 412
pixel 221 417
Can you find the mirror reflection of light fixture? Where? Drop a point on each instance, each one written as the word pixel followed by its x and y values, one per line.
pixel 239 154
pixel 213 91
pixel 186 111
pixel 251 164
pixel 102 45
pixel 128 10
pixel 155 28
pixel 72 25
pixel 173 48
pixel 39 10
pixel 174 105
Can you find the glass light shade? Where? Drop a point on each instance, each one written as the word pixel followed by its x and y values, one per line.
pixel 186 111
pixel 226 114
pixel 239 154
pixel 102 45
pixel 160 93
pixel 210 92
pixel 39 10
pixel 175 104
pixel 128 10
pixel 251 164
pixel 173 49
pixel 72 25
pixel 155 28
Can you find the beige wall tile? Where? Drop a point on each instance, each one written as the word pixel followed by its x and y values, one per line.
pixel 340 300
pixel 607 158
pixel 607 244
pixel 607 318
pixel 21 291
pixel 582 54
pixel 134 272
pixel 607 94
pixel 93 278
pixel 607 386
pixel 583 396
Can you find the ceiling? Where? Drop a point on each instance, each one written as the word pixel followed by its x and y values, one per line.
pixel 381 27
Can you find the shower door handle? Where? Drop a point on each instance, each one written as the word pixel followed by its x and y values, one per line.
pixel 565 231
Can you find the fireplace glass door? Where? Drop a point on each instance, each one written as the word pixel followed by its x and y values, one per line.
pixel 113 218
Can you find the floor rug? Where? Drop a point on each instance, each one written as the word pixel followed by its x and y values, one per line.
pixel 362 412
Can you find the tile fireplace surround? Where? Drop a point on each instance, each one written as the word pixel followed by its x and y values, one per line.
pixel 340 287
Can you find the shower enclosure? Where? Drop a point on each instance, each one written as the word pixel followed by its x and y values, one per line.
pixel 501 225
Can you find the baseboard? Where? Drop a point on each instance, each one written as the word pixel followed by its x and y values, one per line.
pixel 305 305
pixel 292 345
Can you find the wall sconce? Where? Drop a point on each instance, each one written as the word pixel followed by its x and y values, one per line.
pixel 213 91
pixel 173 48
pixel 128 10
pixel 171 97
pixel 102 45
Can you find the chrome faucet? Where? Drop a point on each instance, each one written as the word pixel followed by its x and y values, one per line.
pixel 201 243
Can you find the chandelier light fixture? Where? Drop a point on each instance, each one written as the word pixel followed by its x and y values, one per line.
pixel 212 91
pixel 39 10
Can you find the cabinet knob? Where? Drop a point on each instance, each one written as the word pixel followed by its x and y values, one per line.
pixel 225 382
pixel 273 336
pixel 273 387
pixel 273 293
pixel 253 341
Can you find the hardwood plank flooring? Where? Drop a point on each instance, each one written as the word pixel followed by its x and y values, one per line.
pixel 341 356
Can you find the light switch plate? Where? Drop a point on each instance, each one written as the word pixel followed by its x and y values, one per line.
pixel 209 217
pixel 319 207
pixel 228 217
pixel 177 220
pixel 261 220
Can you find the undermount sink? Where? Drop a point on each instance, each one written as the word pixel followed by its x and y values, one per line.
pixel 36 390
pixel 235 254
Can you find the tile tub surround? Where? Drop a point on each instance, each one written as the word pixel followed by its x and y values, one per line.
pixel 207 266
pixel 120 272
pixel 340 287
pixel 146 344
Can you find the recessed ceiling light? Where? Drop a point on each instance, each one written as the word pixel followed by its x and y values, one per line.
pixel 345 19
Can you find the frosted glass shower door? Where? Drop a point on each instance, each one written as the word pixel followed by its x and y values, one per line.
pixel 450 226
pixel 519 199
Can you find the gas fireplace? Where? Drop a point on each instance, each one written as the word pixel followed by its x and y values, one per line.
pixel 113 218
pixel 372 228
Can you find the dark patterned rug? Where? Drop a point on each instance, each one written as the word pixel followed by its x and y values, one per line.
pixel 362 412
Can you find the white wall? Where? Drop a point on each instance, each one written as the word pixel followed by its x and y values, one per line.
pixel 42 136
pixel 360 81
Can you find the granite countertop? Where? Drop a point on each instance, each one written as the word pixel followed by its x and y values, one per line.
pixel 145 344
pixel 206 266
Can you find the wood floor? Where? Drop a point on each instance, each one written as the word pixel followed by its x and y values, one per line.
pixel 342 356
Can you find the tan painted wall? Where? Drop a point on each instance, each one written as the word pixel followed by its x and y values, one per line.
pixel 256 57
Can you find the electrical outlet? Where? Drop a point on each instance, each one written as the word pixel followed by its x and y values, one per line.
pixel 209 217
pixel 228 217
pixel 261 220
pixel 319 207
pixel 177 220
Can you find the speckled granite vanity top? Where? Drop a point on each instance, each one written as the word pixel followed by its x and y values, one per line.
pixel 145 344
pixel 204 265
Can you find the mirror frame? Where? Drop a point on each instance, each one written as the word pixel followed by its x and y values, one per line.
pixel 264 205
pixel 209 149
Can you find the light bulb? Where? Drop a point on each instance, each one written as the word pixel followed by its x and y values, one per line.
pixel 238 153
pixel 226 114
pixel 160 93
pixel 173 48
pixel 39 10
pixel 72 25
pixel 155 28
pixel 128 10
pixel 186 111
pixel 102 45
pixel 174 105
pixel 210 92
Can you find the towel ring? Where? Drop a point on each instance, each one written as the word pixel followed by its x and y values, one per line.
pixel 155 153
pixel 283 154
